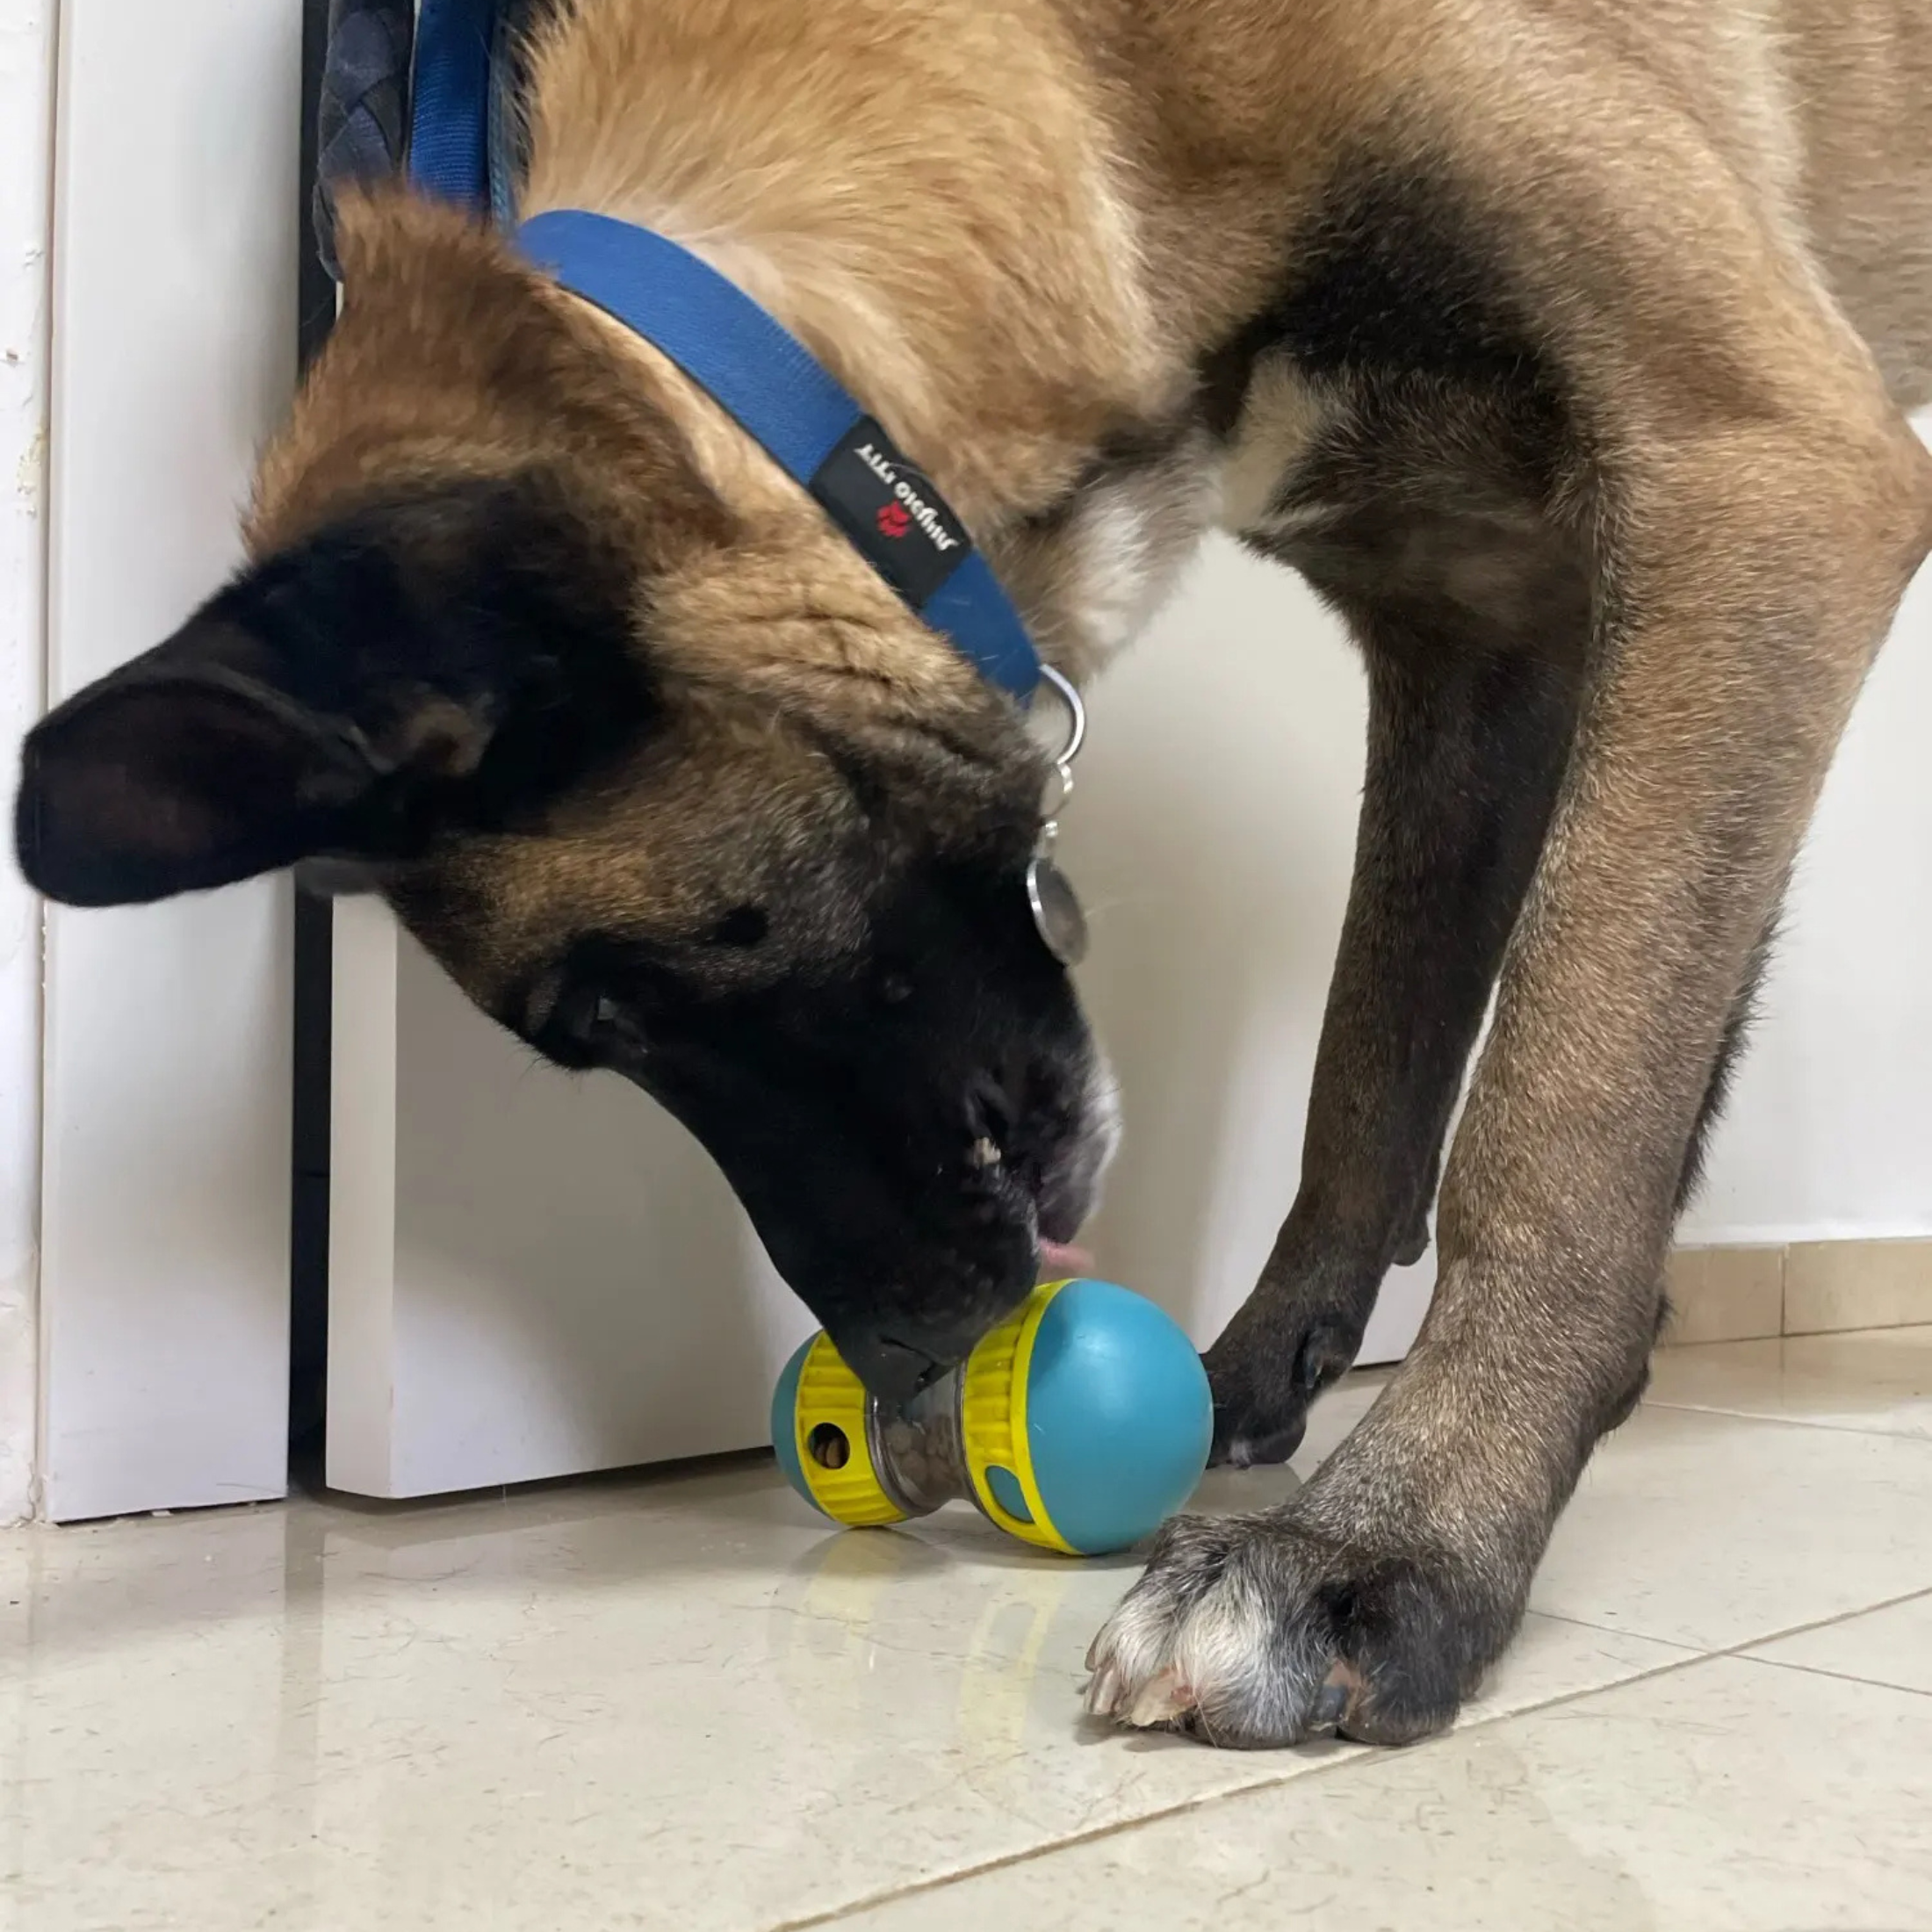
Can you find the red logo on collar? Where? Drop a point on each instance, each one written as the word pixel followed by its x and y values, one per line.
pixel 893 521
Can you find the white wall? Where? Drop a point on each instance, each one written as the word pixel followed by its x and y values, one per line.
pixel 1829 1133
pixel 26 81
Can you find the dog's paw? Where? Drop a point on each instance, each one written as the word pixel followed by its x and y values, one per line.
pixel 1261 1413
pixel 1299 1331
pixel 1254 1632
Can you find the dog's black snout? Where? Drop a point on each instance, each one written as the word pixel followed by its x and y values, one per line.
pixel 893 1370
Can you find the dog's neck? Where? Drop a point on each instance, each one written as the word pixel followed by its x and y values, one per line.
pixel 969 272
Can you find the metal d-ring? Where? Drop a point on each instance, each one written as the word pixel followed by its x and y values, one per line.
pixel 1075 715
pixel 1055 907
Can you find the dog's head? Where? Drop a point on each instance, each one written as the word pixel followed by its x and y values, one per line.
pixel 648 760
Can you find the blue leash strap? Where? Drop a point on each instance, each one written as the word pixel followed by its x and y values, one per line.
pixel 450 93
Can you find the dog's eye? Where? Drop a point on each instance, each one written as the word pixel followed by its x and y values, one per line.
pixel 615 1023
pixel 589 1025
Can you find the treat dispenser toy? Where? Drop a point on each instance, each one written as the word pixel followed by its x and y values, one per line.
pixel 1078 1425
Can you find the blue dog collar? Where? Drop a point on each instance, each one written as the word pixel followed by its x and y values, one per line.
pixel 742 356
pixel 779 393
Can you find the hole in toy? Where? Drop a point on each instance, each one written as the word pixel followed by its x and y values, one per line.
pixel 1007 1493
pixel 828 1447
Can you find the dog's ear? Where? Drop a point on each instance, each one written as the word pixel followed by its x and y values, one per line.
pixel 450 661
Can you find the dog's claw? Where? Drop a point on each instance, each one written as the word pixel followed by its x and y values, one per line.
pixel 1103 1692
pixel 1163 1699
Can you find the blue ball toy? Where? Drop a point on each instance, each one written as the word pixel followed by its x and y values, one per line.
pixel 1078 1424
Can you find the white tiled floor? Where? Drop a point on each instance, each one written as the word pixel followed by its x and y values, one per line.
pixel 679 1703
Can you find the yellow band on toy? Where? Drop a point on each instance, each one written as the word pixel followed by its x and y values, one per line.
pixel 829 1394
pixel 993 1421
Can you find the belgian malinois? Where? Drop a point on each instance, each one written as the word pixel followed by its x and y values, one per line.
pixel 1563 345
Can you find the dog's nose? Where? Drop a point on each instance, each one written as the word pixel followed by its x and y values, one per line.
pixel 893 1370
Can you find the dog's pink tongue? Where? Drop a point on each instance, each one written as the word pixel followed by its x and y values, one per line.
pixel 1060 1259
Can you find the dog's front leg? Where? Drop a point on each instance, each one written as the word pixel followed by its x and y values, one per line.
pixel 1468 741
pixel 1750 562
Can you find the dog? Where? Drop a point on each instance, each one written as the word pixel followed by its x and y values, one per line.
pixel 1562 345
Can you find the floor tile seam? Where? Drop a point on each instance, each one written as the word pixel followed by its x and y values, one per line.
pixel 1755 1656
pixel 1690 1656
pixel 1207 1801
pixel 1783 1421
pixel 1744 1646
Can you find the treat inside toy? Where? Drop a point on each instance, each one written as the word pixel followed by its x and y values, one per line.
pixel 1077 1425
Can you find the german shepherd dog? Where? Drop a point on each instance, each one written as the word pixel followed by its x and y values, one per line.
pixel 1562 345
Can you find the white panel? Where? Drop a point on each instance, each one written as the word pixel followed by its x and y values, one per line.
pixel 529 1273
pixel 1212 838
pixel 165 1206
pixel 361 1422
pixel 26 144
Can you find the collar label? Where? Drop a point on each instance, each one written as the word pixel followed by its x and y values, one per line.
pixel 890 512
